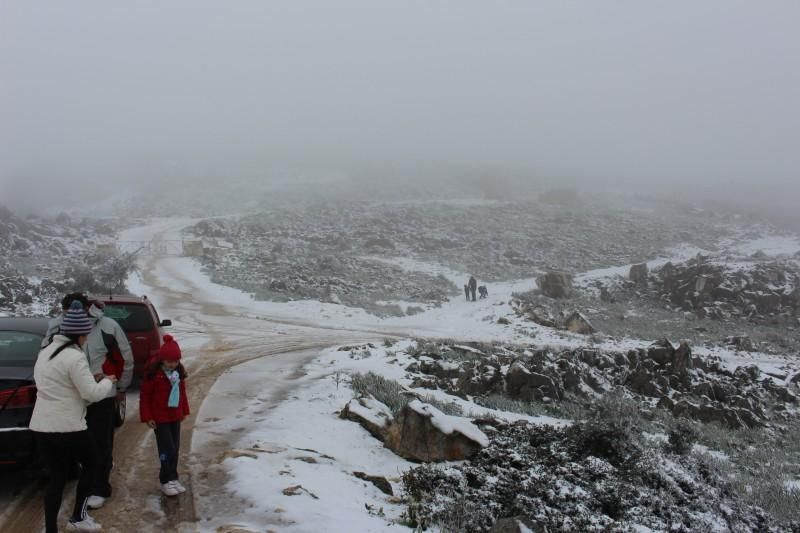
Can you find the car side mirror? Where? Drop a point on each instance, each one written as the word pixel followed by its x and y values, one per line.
pixel 165 323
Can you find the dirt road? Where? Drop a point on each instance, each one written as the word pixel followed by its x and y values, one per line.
pixel 137 506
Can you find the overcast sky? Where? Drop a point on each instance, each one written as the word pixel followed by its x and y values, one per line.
pixel 701 92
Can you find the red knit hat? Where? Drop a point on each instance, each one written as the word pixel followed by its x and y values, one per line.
pixel 169 351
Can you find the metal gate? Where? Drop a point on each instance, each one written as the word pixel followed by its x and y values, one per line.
pixel 166 248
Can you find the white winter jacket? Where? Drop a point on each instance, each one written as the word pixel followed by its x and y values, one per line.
pixel 106 335
pixel 64 387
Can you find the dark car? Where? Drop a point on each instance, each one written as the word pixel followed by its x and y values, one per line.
pixel 20 340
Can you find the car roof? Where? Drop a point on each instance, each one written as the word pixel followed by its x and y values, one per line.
pixel 121 299
pixel 24 324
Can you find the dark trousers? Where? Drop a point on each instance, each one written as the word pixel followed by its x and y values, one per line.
pixel 60 451
pixel 100 420
pixel 168 440
pixel 472 291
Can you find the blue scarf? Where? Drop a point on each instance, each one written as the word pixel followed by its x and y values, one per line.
pixel 175 393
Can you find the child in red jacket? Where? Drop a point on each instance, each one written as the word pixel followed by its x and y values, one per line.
pixel 162 406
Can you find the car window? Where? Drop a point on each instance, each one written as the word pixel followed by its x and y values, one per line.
pixel 130 317
pixel 158 320
pixel 18 348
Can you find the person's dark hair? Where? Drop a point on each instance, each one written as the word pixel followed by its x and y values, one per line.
pixel 73 341
pixel 66 302
pixel 154 365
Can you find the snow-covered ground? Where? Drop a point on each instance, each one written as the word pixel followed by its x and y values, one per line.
pixel 288 458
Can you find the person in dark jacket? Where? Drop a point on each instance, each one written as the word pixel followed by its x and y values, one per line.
pixel 162 406
pixel 473 286
pixel 109 353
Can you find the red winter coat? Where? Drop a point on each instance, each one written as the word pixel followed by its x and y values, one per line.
pixel 153 398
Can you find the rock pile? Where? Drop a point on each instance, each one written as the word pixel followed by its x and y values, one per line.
pixel 666 375
pixel 419 432
pixel 712 289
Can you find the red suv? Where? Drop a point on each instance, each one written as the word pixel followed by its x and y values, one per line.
pixel 139 320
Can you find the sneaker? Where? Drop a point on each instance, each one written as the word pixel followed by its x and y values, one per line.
pixel 87 525
pixel 177 484
pixel 169 489
pixel 95 502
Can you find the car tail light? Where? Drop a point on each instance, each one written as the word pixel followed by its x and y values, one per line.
pixel 18 398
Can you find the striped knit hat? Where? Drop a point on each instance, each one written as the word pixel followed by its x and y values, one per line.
pixel 76 321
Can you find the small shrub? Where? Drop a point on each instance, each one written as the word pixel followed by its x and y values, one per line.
pixel 612 431
pixel 562 409
pixel 682 437
pixel 386 391
pixel 448 408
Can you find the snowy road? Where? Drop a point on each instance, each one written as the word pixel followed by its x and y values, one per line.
pixel 263 349
pixel 214 338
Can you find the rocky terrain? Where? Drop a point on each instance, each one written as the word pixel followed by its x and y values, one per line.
pixel 41 258
pixel 631 449
pixel 328 251
pixel 749 302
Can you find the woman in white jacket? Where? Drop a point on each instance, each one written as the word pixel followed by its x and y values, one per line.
pixel 65 386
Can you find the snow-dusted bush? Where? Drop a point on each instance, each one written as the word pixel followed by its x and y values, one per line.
pixel 101 274
pixel 560 409
pixel 386 391
pixel 394 395
pixel 554 478
pixel 682 437
pixel 613 431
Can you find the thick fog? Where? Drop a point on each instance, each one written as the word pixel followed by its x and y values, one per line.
pixel 691 95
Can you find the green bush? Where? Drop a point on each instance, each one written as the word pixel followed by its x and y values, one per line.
pixel 682 437
pixel 612 431
pixel 386 391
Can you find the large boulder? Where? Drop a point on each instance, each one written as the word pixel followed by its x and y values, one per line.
pixel 740 342
pixel 439 368
pixel 661 352
pixel 480 379
pixel 577 323
pixel 522 384
pixel 373 415
pixel 423 433
pixel 747 373
pixel 794 298
pixel 682 359
pixel 542 317
pixel 638 273
pixel 642 382
pixel 555 284
pixel 704 388
pixel 733 417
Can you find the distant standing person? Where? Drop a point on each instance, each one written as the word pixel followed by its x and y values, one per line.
pixel 65 385
pixel 473 286
pixel 162 406
pixel 466 291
